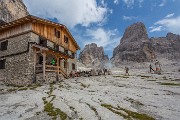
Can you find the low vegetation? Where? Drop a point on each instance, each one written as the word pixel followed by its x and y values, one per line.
pixel 49 108
pixel 130 115
pixel 170 84
pixel 121 76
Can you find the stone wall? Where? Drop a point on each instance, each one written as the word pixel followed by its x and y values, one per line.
pixel 19 64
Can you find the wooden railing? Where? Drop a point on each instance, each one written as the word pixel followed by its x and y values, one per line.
pixel 62 72
pixel 39 68
pixel 51 68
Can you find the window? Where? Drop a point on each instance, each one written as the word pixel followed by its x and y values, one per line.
pixel 40 59
pixel 57 33
pixel 66 52
pixel 4 45
pixel 56 47
pixel 73 55
pixel 2 64
pixel 43 42
pixel 65 39
pixel 73 66
pixel 65 64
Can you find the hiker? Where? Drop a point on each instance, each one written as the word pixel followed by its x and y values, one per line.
pixel 105 71
pixel 53 62
pixel 127 70
pixel 150 67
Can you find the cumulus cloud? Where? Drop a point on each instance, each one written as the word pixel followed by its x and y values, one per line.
pixel 162 3
pixel 106 38
pixel 129 17
pixel 155 29
pixel 131 3
pixel 168 24
pixel 69 12
pixel 169 15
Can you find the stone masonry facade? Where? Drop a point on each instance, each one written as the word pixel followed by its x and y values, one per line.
pixel 19 61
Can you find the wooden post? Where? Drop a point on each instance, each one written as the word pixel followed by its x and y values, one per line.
pixel 57 64
pixel 66 66
pixel 44 65
pixel 57 74
pixel 35 61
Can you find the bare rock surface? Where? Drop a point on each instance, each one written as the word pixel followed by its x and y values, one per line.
pixel 134 46
pixel 167 47
pixel 12 10
pixel 93 56
pixel 112 97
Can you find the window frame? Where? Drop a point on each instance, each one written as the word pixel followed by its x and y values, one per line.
pixel 3 45
pixel 73 66
pixel 66 39
pixel 3 64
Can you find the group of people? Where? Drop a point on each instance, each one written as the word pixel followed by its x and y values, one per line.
pixel 89 73
pixel 157 69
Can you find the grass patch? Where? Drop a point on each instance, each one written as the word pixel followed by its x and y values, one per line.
pixel 23 88
pixel 34 86
pixel 93 109
pixel 50 109
pixel 11 90
pixel 54 112
pixel 151 80
pixel 170 84
pixel 143 76
pixel 92 91
pixel 130 114
pixel 121 76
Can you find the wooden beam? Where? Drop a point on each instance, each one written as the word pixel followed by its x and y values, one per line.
pixel 44 65
pixel 58 63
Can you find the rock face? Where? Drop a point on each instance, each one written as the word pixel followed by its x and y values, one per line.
pixel 93 56
pixel 134 46
pixel 12 10
pixel 167 47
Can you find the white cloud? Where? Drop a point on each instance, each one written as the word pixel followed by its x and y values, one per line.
pixel 116 2
pixel 155 29
pixel 131 3
pixel 69 12
pixel 106 38
pixel 162 3
pixel 168 24
pixel 169 15
pixel 129 17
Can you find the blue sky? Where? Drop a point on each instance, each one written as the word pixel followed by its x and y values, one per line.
pixel 104 21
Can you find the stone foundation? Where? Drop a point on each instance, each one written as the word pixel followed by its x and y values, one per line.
pixel 49 78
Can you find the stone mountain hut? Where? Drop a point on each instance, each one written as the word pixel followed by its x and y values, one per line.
pixel 34 49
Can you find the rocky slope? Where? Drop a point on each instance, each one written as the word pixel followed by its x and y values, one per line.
pixel 12 10
pixel 134 46
pixel 93 56
pixel 167 47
